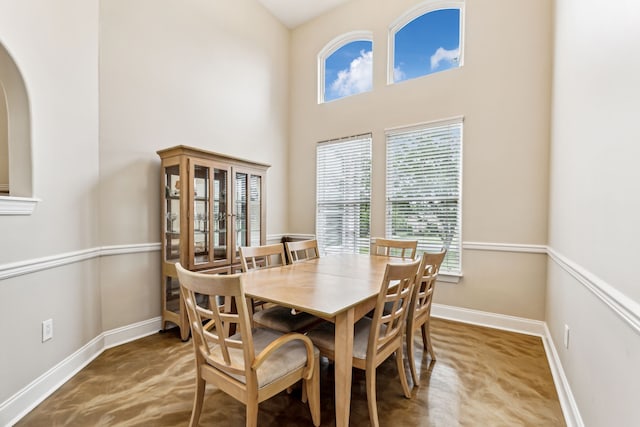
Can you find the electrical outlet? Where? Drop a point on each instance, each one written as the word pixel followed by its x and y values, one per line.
pixel 47 330
pixel 566 336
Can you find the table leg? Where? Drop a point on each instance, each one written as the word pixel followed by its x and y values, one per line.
pixel 343 365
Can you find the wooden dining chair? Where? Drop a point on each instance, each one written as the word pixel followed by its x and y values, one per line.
pixel 394 247
pixel 377 338
pixel 252 365
pixel 275 317
pixel 302 250
pixel 420 307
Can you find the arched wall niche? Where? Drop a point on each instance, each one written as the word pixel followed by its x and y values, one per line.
pixel 14 95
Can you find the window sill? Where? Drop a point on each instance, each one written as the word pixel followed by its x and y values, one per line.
pixel 449 278
pixel 17 205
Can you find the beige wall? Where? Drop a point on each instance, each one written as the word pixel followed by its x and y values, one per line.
pixel 208 74
pixel 54 46
pixel 594 206
pixel 4 140
pixel 503 92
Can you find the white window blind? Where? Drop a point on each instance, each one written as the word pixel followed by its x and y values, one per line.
pixel 343 194
pixel 424 180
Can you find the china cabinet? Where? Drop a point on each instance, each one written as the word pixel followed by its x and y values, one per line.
pixel 211 205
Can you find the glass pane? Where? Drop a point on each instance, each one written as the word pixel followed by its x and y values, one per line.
pixel 172 294
pixel 254 209
pixel 201 214
pixel 428 44
pixel 349 70
pixel 172 213
pixel 219 214
pixel 241 210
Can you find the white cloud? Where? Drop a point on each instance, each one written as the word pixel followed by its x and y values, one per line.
pixel 398 74
pixel 443 54
pixel 358 78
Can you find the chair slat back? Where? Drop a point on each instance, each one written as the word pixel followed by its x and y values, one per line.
pixel 211 322
pixel 302 250
pixel 425 284
pixel 396 288
pixel 266 256
pixel 394 248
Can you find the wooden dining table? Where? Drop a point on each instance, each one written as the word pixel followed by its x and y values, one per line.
pixel 340 288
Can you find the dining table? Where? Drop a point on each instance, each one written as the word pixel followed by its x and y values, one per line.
pixel 340 288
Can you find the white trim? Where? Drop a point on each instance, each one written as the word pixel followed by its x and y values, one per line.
pixel 45 263
pixel 491 320
pixel 622 305
pixel 10 205
pixel 21 403
pixel 505 247
pixel 4 188
pixel 568 403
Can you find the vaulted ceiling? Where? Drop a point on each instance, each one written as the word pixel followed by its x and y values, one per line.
pixel 295 12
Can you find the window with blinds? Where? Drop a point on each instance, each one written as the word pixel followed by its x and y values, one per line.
pixel 343 195
pixel 424 181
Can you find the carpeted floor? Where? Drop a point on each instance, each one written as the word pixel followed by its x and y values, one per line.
pixel 482 377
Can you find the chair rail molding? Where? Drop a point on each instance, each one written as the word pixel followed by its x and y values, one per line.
pixel 622 305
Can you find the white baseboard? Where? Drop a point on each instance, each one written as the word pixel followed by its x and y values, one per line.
pixel 21 403
pixel 524 326
pixel 491 320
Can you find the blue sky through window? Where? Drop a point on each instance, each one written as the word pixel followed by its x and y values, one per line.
pixel 428 44
pixel 349 70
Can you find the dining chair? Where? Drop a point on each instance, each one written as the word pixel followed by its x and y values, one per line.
pixel 377 338
pixel 394 247
pixel 252 365
pixel 279 318
pixel 302 250
pixel 420 306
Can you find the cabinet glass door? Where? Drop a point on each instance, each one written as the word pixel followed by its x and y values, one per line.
pixel 240 211
pixel 201 213
pixel 255 209
pixel 220 214
pixel 172 213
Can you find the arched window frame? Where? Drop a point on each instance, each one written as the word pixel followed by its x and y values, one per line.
pixel 414 13
pixel 331 47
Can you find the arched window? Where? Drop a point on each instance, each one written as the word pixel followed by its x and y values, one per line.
pixel 426 40
pixel 345 66
pixel 17 166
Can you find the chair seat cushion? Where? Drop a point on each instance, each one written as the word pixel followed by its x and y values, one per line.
pixel 280 319
pixel 324 337
pixel 286 359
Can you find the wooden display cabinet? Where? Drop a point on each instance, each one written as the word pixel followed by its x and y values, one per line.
pixel 212 205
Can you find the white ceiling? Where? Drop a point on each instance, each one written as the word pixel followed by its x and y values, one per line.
pixel 295 12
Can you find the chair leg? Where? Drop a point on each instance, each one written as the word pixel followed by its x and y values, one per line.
pixel 197 401
pixel 410 357
pixel 312 390
pixel 426 340
pixel 371 395
pixel 402 373
pixel 252 413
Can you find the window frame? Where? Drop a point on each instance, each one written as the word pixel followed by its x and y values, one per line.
pixel 368 137
pixel 447 275
pixel 412 14
pixel 330 48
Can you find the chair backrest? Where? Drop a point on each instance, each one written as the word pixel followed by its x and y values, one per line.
pixel 394 247
pixel 425 285
pixel 395 292
pixel 302 250
pixel 211 323
pixel 267 256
